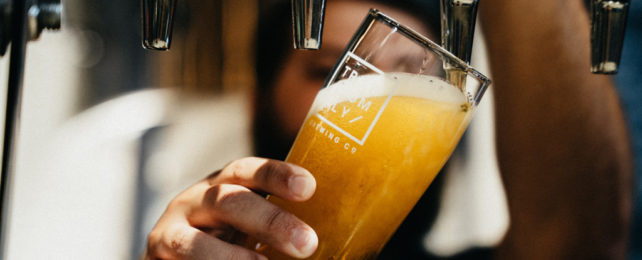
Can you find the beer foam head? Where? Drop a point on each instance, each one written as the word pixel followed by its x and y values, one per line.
pixel 396 84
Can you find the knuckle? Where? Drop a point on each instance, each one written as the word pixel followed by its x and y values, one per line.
pixel 236 169
pixel 275 220
pixel 178 242
pixel 226 198
pixel 211 197
pixel 180 201
pixel 175 204
pixel 273 171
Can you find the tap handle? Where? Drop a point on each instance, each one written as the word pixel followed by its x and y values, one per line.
pixel 158 20
pixel 46 14
pixel 608 22
pixel 307 23
pixel 458 26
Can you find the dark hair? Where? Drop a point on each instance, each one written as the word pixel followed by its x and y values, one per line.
pixel 273 45
pixel 273 40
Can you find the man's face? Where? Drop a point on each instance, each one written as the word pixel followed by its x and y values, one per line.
pixel 304 72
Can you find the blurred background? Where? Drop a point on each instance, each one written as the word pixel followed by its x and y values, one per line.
pixel 88 185
pixel 92 99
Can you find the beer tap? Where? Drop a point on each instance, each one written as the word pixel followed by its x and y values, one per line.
pixel 307 23
pixel 458 26
pixel 21 21
pixel 608 22
pixel 457 30
pixel 158 19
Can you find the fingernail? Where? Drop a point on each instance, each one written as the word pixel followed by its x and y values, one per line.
pixel 305 241
pixel 301 186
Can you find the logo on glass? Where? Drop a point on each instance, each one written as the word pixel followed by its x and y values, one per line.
pixel 356 117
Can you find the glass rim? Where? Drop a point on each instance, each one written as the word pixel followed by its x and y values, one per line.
pixel 417 37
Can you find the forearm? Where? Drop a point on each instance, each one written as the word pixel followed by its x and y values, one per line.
pixel 562 142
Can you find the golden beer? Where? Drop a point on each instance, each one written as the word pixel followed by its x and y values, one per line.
pixel 374 143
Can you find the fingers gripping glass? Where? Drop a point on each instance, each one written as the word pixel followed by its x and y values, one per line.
pixel 386 121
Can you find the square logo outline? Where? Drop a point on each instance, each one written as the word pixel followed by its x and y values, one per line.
pixel 374 121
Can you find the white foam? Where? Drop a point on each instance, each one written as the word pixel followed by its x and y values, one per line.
pixel 396 84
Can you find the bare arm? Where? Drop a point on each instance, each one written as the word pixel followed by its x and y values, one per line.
pixel 562 141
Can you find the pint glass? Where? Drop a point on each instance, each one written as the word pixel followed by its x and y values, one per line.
pixel 390 114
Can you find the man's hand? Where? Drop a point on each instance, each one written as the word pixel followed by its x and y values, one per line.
pixel 200 223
